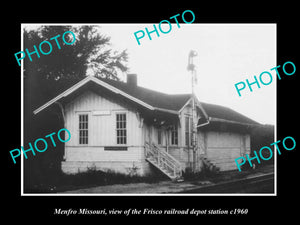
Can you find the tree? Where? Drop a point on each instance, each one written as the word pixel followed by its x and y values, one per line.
pixel 90 50
pixel 48 75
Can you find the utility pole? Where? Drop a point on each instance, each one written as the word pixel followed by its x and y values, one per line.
pixel 191 67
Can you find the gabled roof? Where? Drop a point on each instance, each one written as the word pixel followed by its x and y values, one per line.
pixel 153 100
pixel 225 113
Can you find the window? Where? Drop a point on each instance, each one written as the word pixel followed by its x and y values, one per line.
pixel 188 131
pixel 174 135
pixel 83 129
pixel 159 133
pixel 121 128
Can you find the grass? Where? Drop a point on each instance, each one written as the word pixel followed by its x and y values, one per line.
pixel 206 173
pixel 219 176
pixel 54 181
pixel 57 182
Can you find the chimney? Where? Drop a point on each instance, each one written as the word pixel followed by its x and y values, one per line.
pixel 132 80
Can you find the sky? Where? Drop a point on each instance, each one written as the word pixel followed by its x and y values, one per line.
pixel 227 54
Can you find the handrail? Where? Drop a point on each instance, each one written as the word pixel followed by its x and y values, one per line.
pixel 167 155
pixel 163 159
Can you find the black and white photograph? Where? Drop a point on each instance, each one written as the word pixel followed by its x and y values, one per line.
pixel 161 117
pixel 140 113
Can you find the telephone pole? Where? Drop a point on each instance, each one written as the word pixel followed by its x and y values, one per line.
pixel 191 67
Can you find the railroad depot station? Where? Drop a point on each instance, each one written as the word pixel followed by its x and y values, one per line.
pixel 122 127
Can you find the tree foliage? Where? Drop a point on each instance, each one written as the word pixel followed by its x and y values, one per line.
pixel 48 75
pixel 90 51
pixel 89 55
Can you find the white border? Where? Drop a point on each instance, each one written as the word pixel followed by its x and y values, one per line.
pixel 138 194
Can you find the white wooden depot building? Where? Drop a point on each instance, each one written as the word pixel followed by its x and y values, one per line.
pixel 126 128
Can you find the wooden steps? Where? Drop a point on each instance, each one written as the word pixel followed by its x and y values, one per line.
pixel 163 161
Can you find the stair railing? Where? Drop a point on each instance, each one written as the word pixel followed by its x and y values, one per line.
pixel 163 159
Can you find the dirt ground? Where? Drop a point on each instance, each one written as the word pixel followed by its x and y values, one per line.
pixel 169 187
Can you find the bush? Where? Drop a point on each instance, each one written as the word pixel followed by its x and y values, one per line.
pixel 59 181
pixel 205 173
pixel 262 135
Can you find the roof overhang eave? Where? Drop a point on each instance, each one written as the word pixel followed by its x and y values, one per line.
pixel 83 82
pixel 212 119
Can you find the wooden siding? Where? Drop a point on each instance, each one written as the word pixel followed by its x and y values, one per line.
pixel 95 153
pixel 221 148
pixel 102 130
pixel 224 147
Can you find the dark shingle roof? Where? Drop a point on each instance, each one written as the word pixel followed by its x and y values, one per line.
pixel 225 113
pixel 177 101
pixel 164 101
pixel 153 98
